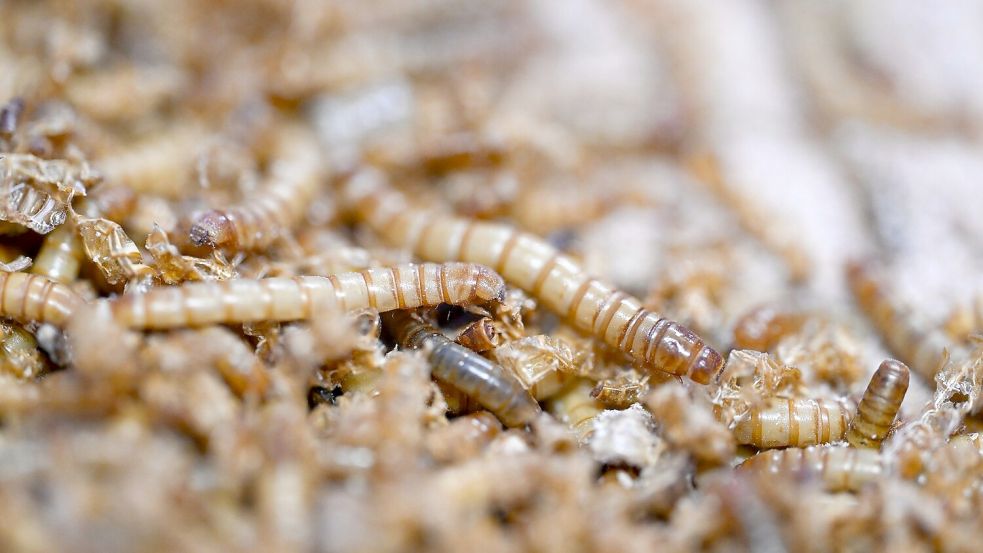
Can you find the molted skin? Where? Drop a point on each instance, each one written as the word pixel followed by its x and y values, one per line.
pixel 880 405
pixel 287 299
pixel 25 297
pixel 489 384
pixel 837 468
pixel 792 422
pixel 528 262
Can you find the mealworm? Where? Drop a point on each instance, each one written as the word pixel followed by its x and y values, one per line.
pixel 575 406
pixel 784 422
pixel 286 299
pixel 620 392
pixel 479 378
pixel 25 297
pixel 533 265
pixel 879 406
pixel 159 165
pixel 763 327
pixel 279 205
pixel 920 350
pixel 839 468
pixel 60 256
pixel 480 335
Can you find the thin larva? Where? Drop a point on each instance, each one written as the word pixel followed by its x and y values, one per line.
pixel 838 468
pixel 533 265
pixel 285 299
pixel 782 422
pixel 25 298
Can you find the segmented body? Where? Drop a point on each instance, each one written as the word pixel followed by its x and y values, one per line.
pixel 575 406
pixel 285 299
pixel 838 468
pixel 159 165
pixel 25 297
pixel 279 205
pixel 480 335
pixel 487 383
pixel 879 406
pixel 60 256
pixel 920 350
pixel 556 280
pixel 792 422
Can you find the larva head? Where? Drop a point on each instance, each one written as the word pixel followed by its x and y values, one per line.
pixel 478 281
pixel 213 229
pixel 890 381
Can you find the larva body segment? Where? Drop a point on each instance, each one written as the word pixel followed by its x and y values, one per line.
pixel 278 206
pixel 556 280
pixel 784 422
pixel 25 297
pixel 920 350
pixel 480 336
pixel 158 165
pixel 285 299
pixel 838 468
pixel 490 385
pixel 19 353
pixel 60 256
pixel 879 406
pixel 575 406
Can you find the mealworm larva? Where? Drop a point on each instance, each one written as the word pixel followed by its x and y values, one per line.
pixel 25 297
pixel 479 378
pixel 533 265
pixel 480 335
pixel 286 299
pixel 839 468
pixel 19 353
pixel 60 256
pixel 621 392
pixel 278 206
pixel 159 165
pixel 879 406
pixel 575 406
pixel 763 327
pixel 920 350
pixel 784 422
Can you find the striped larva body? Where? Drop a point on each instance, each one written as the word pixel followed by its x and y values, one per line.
pixel 277 207
pixel 784 422
pixel 556 280
pixel 920 350
pixel 60 256
pixel 487 383
pixel 838 468
pixel 159 165
pixel 286 299
pixel 879 406
pixel 25 297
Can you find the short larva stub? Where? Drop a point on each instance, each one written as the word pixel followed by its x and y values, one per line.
pixel 784 422
pixel 838 468
pixel 25 298
pixel 922 350
pixel 286 299
pixel 480 335
pixel 575 406
pixel 490 385
pixel 528 262
pixel 879 406
pixel 279 205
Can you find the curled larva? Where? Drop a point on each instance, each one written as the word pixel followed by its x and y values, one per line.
pixel 490 385
pixel 879 406
pixel 25 297
pixel 781 422
pixel 278 206
pixel 838 468
pixel 556 280
pixel 286 299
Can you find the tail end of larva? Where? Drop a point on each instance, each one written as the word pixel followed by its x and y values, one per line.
pixel 213 229
pixel 707 366
pixel 490 285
